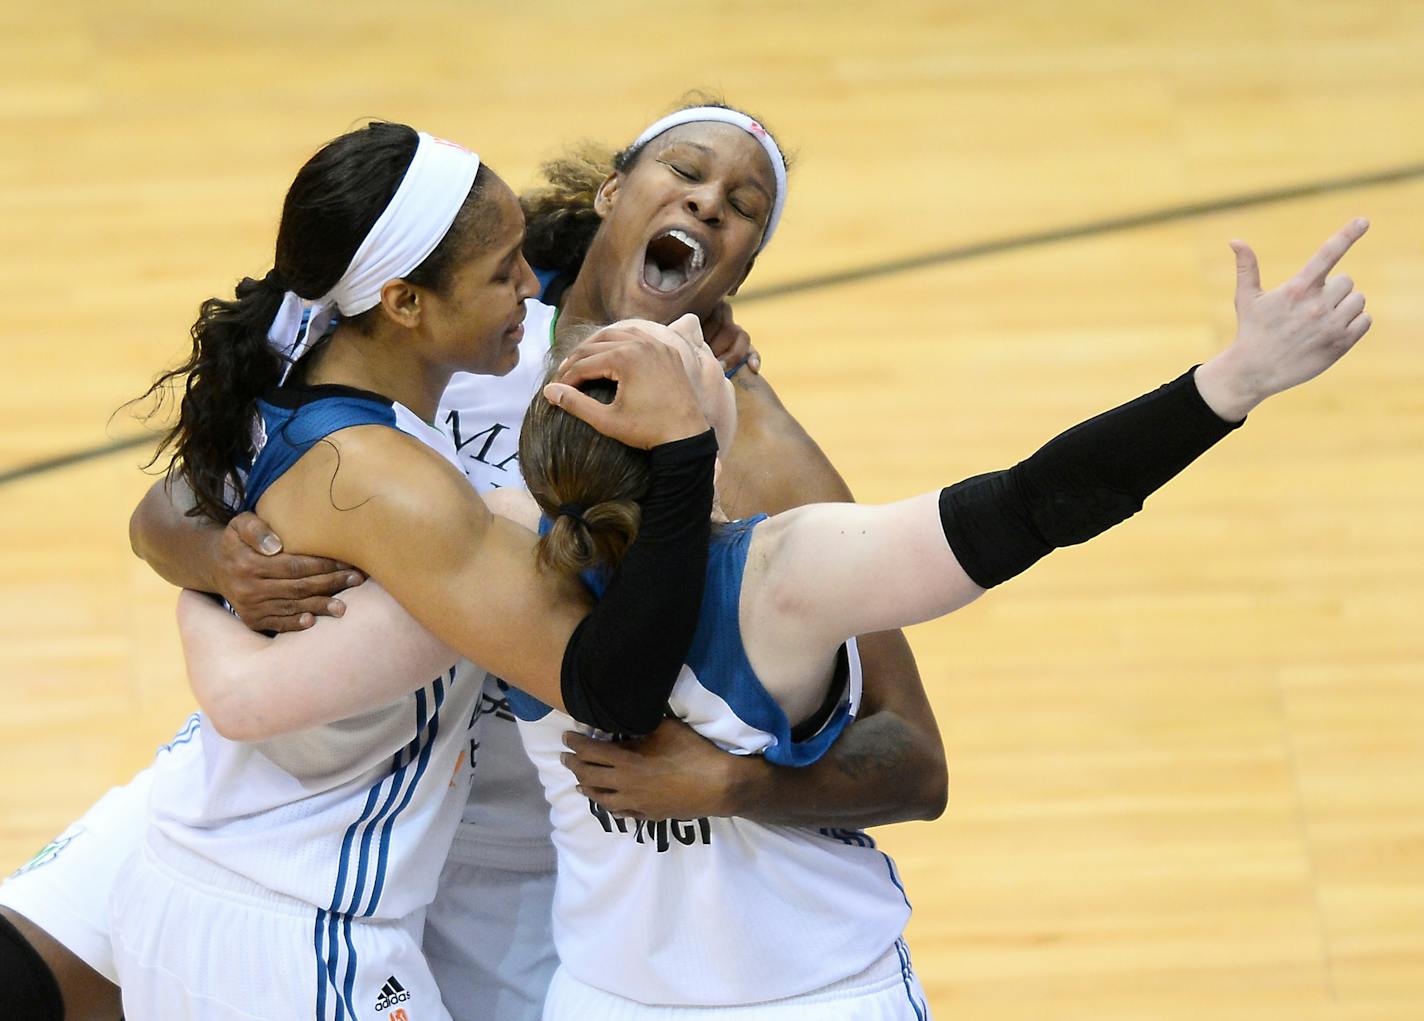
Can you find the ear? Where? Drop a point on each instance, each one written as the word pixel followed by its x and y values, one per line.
pixel 689 328
pixel 400 302
pixel 743 278
pixel 607 195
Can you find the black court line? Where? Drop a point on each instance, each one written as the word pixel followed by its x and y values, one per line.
pixel 925 260
pixel 1092 228
pixel 49 464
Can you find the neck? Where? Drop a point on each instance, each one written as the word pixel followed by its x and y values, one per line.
pixel 381 363
pixel 584 301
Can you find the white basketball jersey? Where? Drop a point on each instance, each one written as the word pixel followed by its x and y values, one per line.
pixel 715 912
pixel 354 817
pixel 506 822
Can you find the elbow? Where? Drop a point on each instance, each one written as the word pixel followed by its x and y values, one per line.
pixel 933 792
pixel 136 532
pixel 231 723
pixel 232 717
pixel 228 725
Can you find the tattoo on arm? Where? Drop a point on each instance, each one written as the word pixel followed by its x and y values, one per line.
pixel 877 747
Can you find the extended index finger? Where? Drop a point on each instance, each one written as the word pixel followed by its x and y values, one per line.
pixel 1322 262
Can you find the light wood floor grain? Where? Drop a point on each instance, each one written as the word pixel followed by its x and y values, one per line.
pixel 1188 759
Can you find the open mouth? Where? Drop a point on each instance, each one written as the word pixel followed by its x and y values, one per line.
pixel 673 259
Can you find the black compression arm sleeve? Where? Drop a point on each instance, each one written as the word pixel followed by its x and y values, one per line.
pixel 624 657
pixel 1079 484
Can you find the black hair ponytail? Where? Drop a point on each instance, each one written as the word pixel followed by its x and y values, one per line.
pixel 331 206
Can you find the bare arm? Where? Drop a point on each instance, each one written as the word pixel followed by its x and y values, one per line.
pixel 253 688
pixel 824 573
pixel 268 589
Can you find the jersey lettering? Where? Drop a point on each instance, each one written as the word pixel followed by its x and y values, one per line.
pixel 489 435
pixel 660 834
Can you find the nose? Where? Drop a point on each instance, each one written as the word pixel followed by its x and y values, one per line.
pixel 706 203
pixel 528 282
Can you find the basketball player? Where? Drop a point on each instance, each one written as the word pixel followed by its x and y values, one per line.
pixel 653 917
pixel 502 863
pixel 330 840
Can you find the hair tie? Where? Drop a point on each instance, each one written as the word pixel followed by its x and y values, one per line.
pixel 275 280
pixel 573 510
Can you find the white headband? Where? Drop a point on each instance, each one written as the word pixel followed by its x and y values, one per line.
pixel 716 113
pixel 434 187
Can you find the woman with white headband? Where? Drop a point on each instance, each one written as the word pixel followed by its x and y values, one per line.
pixel 492 945
pixel 711 917
pixel 286 873
pixel 663 918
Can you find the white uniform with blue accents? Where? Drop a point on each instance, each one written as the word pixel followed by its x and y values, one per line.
pixel 487 937
pixel 714 917
pixel 288 878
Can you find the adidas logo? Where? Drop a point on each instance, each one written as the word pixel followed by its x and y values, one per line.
pixel 391 994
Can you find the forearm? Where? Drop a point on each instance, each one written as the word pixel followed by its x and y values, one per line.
pixel 181 549
pixel 1079 484
pixel 254 688
pixel 624 657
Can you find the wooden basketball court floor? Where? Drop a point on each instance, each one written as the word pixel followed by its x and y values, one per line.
pixel 1187 759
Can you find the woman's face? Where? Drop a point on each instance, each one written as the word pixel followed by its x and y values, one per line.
pixel 683 224
pixel 479 319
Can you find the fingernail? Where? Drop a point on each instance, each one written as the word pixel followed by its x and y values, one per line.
pixel 306 620
pixel 271 545
pixel 352 580
pixel 565 757
pixel 336 607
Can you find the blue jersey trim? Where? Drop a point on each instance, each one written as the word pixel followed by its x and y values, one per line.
pixel 292 431
pixel 906 973
pixel 333 925
pixel 191 726
pixel 718 657
pixel 546 277
pixel 525 706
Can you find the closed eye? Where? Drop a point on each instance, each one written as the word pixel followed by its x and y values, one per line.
pixel 685 173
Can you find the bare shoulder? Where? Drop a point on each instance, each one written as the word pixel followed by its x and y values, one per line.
pixel 515 504
pixel 364 482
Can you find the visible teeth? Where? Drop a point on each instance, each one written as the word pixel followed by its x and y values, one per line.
pixel 699 257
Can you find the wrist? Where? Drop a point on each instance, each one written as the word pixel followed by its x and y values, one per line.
pixel 685 449
pixel 684 428
pixel 742 785
pixel 1227 388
